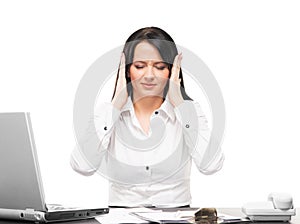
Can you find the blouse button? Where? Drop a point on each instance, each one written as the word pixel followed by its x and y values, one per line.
pixel 105 128
pixel 187 125
pixel 147 167
pixel 156 112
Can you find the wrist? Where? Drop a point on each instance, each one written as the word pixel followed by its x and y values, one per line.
pixel 178 101
pixel 117 104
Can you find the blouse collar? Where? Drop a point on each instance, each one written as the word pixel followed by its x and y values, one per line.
pixel 166 107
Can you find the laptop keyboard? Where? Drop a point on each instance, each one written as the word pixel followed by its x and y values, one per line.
pixel 58 207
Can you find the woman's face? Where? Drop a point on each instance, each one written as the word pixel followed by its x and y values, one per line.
pixel 148 73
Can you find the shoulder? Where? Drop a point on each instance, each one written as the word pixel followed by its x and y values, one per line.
pixel 190 106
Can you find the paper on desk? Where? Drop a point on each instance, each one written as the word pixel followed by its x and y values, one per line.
pixel 122 215
pixel 165 216
pixel 187 216
pixel 228 217
pixel 224 218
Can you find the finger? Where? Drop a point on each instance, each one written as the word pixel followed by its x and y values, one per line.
pixel 121 74
pixel 173 71
pixel 178 82
pixel 176 67
pixel 175 60
pixel 179 59
pixel 122 65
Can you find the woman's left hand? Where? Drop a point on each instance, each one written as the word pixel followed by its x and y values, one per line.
pixel 174 93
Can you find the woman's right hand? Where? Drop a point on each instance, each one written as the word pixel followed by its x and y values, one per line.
pixel 121 94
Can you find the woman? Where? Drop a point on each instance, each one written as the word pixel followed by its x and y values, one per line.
pixel 151 131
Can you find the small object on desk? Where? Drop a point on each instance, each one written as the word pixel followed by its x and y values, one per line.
pixel 206 216
pixel 210 216
pixel 279 207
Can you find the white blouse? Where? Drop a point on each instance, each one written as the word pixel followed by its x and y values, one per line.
pixel 147 169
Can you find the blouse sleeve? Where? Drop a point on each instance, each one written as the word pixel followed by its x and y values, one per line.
pixel 92 147
pixel 197 136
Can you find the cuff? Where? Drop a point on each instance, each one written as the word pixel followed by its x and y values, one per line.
pixel 105 117
pixel 187 115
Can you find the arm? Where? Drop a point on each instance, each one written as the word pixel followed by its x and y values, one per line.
pixel 91 149
pixel 197 137
pixel 194 125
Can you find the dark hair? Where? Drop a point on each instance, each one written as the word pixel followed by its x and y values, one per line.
pixel 165 45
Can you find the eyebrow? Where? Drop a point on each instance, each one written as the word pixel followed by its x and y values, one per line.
pixel 145 62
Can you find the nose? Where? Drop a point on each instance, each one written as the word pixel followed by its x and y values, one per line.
pixel 149 74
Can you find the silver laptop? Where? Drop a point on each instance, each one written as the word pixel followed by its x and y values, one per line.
pixel 21 187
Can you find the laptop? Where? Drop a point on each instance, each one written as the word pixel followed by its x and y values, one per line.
pixel 21 187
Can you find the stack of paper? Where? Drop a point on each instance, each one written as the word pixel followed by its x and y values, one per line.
pixel 146 215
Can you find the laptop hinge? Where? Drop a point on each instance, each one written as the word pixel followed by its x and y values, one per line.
pixel 32 215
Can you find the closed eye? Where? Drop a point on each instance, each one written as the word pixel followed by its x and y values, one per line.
pixel 161 67
pixel 139 66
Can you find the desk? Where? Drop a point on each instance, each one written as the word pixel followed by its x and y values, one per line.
pixel 229 211
pixel 238 212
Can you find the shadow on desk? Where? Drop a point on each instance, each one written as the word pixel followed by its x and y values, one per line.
pixel 86 221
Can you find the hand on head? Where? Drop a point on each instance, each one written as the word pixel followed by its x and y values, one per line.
pixel 121 94
pixel 174 94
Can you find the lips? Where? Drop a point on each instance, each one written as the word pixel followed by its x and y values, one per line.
pixel 148 85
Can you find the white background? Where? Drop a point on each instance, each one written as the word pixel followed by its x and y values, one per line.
pixel 252 48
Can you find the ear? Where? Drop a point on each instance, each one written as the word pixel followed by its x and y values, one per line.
pixel 128 74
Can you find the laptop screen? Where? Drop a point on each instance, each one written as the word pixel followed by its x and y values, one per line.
pixel 20 180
